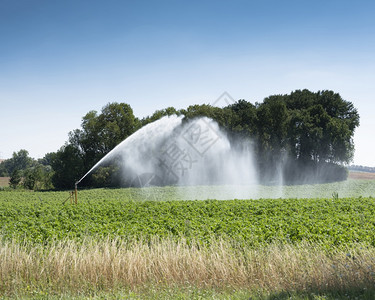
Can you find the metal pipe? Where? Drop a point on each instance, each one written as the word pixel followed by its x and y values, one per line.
pixel 75 193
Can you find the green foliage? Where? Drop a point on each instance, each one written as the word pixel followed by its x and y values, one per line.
pixel 307 129
pixel 20 161
pixel 15 179
pixel 322 126
pixel 106 176
pixel 67 164
pixel 38 177
pixel 100 214
pixel 100 133
pixel 47 159
pixel 29 173
pixel 310 133
pixel 158 115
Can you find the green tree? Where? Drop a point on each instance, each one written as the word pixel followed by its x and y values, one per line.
pixel 158 115
pixel 15 179
pixel 222 116
pixel 322 126
pixel 243 118
pixel 272 136
pixel 38 177
pixel 20 161
pixel 100 133
pixel 320 134
pixel 305 130
pixel 31 177
pixel 68 167
pixel 47 159
pixel 3 169
pixel 272 126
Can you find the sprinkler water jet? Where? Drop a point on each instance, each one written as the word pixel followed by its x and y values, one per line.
pixel 178 152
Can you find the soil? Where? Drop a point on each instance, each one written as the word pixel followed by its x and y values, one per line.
pixel 361 175
pixel 4 181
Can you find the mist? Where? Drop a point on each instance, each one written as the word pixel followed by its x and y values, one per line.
pixel 173 151
pixel 202 161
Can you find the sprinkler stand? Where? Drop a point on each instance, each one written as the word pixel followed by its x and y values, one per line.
pixel 75 193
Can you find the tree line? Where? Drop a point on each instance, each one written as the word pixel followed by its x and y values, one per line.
pixel 308 136
pixel 27 172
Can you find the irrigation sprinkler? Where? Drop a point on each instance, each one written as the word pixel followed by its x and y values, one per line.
pixel 72 197
pixel 75 193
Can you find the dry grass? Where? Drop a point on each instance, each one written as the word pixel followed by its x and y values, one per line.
pixel 4 181
pixel 361 175
pixel 108 265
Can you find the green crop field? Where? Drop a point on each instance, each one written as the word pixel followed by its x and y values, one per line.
pixel 307 238
pixel 42 217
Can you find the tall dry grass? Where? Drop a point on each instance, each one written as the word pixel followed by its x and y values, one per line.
pixel 107 265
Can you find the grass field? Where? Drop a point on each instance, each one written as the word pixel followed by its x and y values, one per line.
pixel 121 243
pixel 162 268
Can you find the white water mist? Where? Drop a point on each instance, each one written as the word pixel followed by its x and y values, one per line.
pixel 173 151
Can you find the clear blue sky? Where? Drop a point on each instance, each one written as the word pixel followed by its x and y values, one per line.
pixel 61 59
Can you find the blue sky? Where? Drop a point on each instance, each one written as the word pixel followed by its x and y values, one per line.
pixel 61 59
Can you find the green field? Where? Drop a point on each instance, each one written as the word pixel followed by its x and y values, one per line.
pixel 42 217
pixel 190 248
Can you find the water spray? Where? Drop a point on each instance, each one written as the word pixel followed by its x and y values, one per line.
pixel 142 134
pixel 191 153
